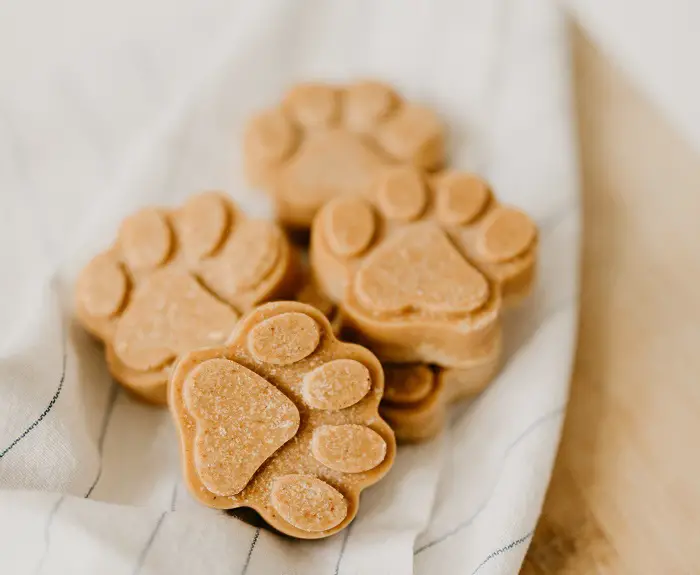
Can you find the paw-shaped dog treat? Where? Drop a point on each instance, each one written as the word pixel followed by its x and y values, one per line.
pixel 421 266
pixel 416 396
pixel 327 141
pixel 283 419
pixel 177 280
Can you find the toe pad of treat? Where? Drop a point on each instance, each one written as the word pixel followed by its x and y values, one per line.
pixel 349 226
pixel 336 384
pixel 145 239
pixel 507 234
pixel 460 198
pixel 348 448
pixel 102 286
pixel 308 503
pixel 284 339
pixel 204 220
pixel 402 195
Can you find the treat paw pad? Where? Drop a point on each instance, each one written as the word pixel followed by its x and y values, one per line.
pixel 434 275
pixel 326 141
pixel 283 419
pixel 175 280
pixel 420 266
pixel 308 503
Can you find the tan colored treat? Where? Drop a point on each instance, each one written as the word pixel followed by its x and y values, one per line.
pixel 416 396
pixel 420 267
pixel 328 141
pixel 311 294
pixel 283 419
pixel 176 280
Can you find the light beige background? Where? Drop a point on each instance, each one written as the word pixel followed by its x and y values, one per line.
pixel 625 494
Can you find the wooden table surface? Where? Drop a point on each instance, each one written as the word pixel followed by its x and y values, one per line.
pixel 625 494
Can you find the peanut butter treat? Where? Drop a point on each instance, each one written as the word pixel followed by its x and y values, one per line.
pixel 282 419
pixel 416 396
pixel 327 141
pixel 421 266
pixel 309 293
pixel 177 280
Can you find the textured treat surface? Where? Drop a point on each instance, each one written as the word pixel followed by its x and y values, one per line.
pixel 283 419
pixel 308 503
pixel 348 448
pixel 177 280
pixel 418 268
pixel 327 141
pixel 507 233
pixel 422 264
pixel 336 384
pixel 284 339
pixel 169 313
pixel 241 421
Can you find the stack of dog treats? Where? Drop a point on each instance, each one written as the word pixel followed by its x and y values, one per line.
pixel 293 406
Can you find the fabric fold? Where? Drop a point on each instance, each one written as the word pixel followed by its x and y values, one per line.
pixel 90 478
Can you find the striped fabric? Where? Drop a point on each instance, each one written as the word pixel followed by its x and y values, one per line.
pixel 106 106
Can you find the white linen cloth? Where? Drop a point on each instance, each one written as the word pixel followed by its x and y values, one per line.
pixel 656 43
pixel 107 106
